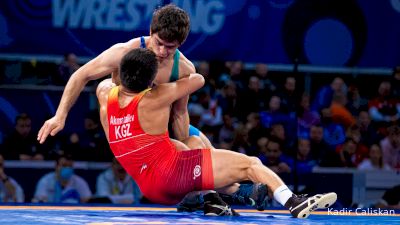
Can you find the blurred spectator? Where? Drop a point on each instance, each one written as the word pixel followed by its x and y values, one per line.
pixel 210 83
pixel 117 186
pixel 391 147
pixel 369 134
pixel 396 82
pixel 21 144
pixel 340 114
pixel 272 157
pixel 256 130
pixel 303 163
pixel 261 71
pixel 227 98
pixel 289 102
pixel 355 102
pixel 305 117
pixel 323 98
pixel 318 147
pixel 277 131
pixel 251 99
pixel 195 111
pixel 361 149
pixel 241 141
pixel 384 109
pixel 91 144
pixel 68 66
pixel 12 72
pixel 289 96
pixel 10 190
pixel 235 74
pixel 334 133
pixel 226 133
pixel 354 133
pixel 62 185
pixel 212 114
pixel 274 114
pixel 262 145
pixel 390 199
pixel 347 154
pixel 375 160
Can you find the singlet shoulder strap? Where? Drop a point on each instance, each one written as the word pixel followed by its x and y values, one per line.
pixel 175 68
pixel 141 94
pixel 138 97
pixel 113 96
pixel 112 102
pixel 142 42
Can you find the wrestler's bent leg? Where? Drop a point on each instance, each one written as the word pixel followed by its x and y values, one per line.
pixel 231 167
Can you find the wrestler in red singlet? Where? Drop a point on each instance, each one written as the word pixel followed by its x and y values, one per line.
pixel 164 174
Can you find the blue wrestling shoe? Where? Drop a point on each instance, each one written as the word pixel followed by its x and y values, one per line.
pixel 255 195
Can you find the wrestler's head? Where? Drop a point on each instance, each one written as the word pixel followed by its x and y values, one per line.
pixel 138 69
pixel 169 28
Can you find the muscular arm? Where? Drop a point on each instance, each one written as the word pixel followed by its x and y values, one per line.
pixel 101 66
pixel 102 95
pixel 180 115
pixel 180 118
pixel 170 92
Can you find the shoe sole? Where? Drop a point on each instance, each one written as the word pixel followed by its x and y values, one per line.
pixel 322 203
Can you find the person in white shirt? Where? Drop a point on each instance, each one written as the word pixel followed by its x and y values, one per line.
pixel 375 160
pixel 62 185
pixel 116 185
pixel 10 190
pixel 391 147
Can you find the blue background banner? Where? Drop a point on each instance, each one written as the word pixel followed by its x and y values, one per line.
pixel 318 32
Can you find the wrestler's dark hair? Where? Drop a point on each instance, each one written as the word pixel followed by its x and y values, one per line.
pixel 171 23
pixel 138 69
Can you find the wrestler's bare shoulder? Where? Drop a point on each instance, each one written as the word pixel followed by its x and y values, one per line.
pixel 104 87
pixel 124 47
pixel 186 67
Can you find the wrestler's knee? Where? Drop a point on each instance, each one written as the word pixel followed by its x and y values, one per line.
pixel 254 164
pixel 255 160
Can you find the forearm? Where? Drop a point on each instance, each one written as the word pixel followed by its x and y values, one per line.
pixel 180 119
pixel 71 93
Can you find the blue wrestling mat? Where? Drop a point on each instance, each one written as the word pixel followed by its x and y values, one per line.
pixel 109 215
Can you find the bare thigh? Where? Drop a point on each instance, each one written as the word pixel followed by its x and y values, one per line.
pixel 229 167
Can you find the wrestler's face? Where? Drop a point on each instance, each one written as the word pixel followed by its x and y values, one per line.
pixel 162 49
